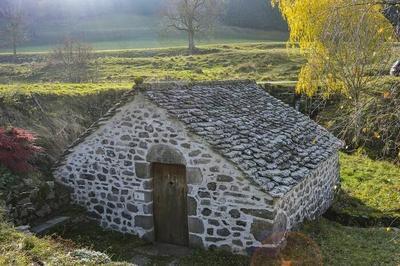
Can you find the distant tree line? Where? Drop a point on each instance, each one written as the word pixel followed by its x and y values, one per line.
pixel 20 20
pixel 256 14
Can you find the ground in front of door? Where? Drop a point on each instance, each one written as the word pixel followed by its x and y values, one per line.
pixel 130 250
pixel 86 233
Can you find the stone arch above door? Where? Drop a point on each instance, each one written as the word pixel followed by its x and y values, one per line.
pixel 166 154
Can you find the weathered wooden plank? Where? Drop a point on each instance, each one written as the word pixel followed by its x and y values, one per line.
pixel 170 203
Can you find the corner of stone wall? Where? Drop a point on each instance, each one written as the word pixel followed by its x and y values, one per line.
pixel 314 195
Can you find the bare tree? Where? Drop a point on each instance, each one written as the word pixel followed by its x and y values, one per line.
pixel 14 31
pixel 191 16
pixel 76 59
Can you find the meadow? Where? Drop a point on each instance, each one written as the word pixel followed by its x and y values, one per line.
pixel 263 62
pixel 35 96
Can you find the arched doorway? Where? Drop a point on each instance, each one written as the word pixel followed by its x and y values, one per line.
pixel 168 172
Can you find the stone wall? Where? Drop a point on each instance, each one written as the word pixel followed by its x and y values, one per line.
pixel 314 195
pixel 32 200
pixel 109 172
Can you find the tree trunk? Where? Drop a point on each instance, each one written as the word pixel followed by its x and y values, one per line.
pixel 14 47
pixel 192 46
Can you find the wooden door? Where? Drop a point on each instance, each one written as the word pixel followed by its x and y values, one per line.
pixel 170 203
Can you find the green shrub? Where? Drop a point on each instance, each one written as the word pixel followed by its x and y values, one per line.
pixel 7 178
pixel 139 80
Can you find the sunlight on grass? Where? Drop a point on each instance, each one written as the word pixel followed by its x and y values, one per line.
pixel 60 89
pixel 370 188
pixel 262 62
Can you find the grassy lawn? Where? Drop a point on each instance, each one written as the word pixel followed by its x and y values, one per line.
pixel 369 188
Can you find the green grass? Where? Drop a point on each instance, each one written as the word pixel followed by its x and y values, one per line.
pixel 247 61
pixel 369 188
pixel 320 242
pixel 163 42
pixel 20 249
pixel 341 245
pixel 61 89
pixel 259 61
pixel 89 235
pixel 317 243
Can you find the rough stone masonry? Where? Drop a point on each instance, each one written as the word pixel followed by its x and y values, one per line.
pixel 255 168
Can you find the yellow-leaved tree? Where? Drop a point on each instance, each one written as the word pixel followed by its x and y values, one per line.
pixel 344 42
pixel 348 46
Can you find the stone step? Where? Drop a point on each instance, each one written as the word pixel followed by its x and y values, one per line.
pixel 23 229
pixel 47 226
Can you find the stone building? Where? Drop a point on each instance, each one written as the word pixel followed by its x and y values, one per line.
pixel 211 165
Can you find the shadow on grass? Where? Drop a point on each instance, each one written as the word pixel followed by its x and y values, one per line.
pixel 350 211
pixel 88 234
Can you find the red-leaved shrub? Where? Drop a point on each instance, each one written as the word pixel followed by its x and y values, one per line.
pixel 17 148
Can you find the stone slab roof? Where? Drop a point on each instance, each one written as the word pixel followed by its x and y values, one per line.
pixel 268 140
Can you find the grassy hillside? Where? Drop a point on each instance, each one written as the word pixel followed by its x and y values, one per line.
pixel 127 31
pixel 57 113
